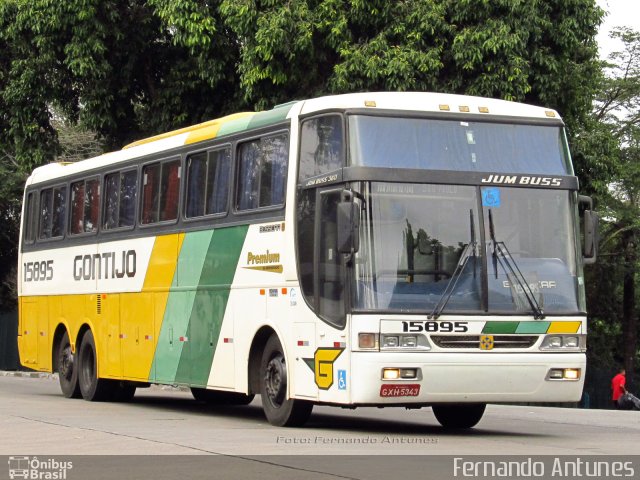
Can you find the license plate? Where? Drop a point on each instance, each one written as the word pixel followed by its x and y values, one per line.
pixel 407 390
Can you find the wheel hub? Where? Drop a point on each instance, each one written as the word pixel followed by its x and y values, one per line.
pixel 276 380
pixel 65 366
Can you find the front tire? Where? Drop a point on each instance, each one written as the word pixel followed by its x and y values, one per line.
pixel 67 367
pixel 459 415
pixel 92 388
pixel 216 397
pixel 279 410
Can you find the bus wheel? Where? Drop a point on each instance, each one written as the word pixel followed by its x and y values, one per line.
pixel 279 410
pixel 215 397
pixel 67 369
pixel 91 387
pixel 460 415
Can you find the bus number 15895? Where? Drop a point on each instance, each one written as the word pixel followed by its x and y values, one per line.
pixel 432 327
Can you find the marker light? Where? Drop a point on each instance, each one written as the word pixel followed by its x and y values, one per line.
pixel 368 341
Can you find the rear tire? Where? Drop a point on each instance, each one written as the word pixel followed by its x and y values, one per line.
pixel 459 415
pixel 216 397
pixel 92 388
pixel 67 367
pixel 279 410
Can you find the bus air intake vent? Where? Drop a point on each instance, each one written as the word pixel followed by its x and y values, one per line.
pixel 99 304
pixel 473 341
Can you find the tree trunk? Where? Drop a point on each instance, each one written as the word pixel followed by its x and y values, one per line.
pixel 629 324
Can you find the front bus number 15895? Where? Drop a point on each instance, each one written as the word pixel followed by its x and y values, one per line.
pixel 431 326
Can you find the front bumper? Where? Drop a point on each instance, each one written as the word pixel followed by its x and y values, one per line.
pixel 468 377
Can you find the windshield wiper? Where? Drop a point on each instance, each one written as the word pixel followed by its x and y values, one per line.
pixel 501 254
pixel 469 251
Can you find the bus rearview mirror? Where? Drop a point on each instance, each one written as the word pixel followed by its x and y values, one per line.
pixel 348 227
pixel 590 234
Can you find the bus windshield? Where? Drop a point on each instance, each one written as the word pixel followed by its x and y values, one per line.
pixel 421 245
pixel 422 143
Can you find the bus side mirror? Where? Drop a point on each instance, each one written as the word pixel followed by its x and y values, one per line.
pixel 348 226
pixel 590 220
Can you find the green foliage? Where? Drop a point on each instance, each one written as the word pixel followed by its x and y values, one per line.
pixel 611 145
pixel 539 52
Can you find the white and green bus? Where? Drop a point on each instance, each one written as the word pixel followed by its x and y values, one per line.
pixel 370 249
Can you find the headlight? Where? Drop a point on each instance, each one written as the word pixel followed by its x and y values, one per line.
pixel 404 342
pixel 390 341
pixel 563 342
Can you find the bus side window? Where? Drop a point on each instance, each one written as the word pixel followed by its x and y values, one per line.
pixel 52 212
pixel 128 195
pixel 218 181
pixel 91 205
pixel 170 190
pixel 196 184
pixel 120 199
pixel 111 193
pixel 161 191
pixel 46 197
pixel 85 202
pixel 77 208
pixel 262 172
pixel 150 193
pixel 321 146
pixel 29 222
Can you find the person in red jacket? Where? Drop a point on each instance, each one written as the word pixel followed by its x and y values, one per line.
pixel 618 387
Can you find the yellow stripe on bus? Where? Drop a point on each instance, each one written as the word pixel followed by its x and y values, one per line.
pixel 140 328
pixel 564 327
pixel 193 130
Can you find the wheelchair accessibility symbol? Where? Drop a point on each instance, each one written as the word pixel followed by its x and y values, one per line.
pixel 342 379
pixel 490 197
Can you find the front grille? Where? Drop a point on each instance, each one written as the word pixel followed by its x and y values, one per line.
pixel 473 341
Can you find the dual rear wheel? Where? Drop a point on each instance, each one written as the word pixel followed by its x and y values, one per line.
pixel 78 373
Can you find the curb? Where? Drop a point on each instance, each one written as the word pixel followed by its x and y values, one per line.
pixel 28 374
pixel 54 376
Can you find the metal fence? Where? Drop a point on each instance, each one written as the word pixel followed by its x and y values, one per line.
pixel 8 341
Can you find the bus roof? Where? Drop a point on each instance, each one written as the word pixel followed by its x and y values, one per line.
pixel 238 122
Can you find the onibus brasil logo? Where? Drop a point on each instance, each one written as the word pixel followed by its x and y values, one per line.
pixel 37 469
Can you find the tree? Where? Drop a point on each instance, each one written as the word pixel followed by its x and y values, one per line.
pixel 538 52
pixel 617 119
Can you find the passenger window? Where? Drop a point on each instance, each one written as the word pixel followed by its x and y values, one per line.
pixel 321 146
pixel 208 182
pixel 161 191
pixel 120 199
pixel 262 172
pixel 85 204
pixel 29 221
pixel 52 212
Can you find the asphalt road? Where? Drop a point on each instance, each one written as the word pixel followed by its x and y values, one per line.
pixel 36 420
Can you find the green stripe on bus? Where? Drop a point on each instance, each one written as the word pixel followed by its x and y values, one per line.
pixel 270 117
pixel 500 327
pixel 174 331
pixel 210 303
pixel 234 126
pixel 533 327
